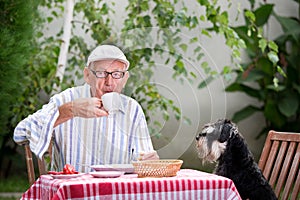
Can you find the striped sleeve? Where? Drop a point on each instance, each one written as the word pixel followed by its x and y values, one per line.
pixel 38 128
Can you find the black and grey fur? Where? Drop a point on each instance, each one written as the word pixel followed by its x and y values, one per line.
pixel 221 142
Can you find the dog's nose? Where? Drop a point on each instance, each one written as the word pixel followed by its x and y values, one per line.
pixel 197 137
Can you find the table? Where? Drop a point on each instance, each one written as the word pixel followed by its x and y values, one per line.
pixel 188 184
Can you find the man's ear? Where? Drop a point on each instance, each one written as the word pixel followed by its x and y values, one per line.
pixel 86 75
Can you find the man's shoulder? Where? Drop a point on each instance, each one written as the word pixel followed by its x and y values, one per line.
pixel 71 92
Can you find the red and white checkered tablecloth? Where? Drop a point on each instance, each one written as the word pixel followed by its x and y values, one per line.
pixel 188 184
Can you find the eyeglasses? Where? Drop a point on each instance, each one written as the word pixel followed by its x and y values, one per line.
pixel 104 74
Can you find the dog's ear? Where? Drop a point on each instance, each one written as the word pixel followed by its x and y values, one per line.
pixel 225 133
pixel 227 121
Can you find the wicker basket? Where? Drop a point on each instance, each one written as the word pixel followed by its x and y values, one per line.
pixel 157 168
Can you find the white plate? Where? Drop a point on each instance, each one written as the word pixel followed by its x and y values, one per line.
pixel 127 168
pixel 65 176
pixel 106 174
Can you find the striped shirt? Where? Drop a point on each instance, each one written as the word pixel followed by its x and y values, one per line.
pixel 113 139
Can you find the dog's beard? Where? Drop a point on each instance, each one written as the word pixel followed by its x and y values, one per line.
pixel 208 154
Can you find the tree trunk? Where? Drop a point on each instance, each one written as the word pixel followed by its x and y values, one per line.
pixel 63 54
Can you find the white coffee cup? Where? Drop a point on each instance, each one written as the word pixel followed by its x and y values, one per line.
pixel 111 102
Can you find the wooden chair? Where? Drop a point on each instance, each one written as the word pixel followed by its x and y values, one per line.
pixel 279 163
pixel 30 163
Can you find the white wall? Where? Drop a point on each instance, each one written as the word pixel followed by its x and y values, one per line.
pixel 211 103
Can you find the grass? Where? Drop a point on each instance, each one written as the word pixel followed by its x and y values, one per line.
pixel 8 198
pixel 14 184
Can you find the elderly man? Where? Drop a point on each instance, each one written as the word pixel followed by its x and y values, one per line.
pixel 83 132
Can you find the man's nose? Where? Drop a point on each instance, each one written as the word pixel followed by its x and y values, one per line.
pixel 108 79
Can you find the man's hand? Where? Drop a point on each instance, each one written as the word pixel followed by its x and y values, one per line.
pixel 148 156
pixel 83 107
pixel 88 108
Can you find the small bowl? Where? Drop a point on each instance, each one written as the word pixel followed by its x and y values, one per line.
pixel 127 168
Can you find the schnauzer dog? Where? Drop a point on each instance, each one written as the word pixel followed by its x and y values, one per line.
pixel 221 142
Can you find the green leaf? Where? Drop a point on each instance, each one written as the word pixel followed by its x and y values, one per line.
pixel 250 42
pixel 204 2
pixel 273 46
pixel 200 56
pixel 265 66
pixel 250 15
pixel 49 19
pixel 249 33
pixel 226 70
pixel 192 74
pixel 193 40
pixel 288 104
pixel 276 87
pixel 179 67
pixel 272 55
pixel 205 82
pixel 244 113
pixel 187 121
pixel 262 43
pixel 279 69
pixel 223 18
pixel 251 76
pixel 297 87
pixel 236 53
pixel 287 23
pixel 262 14
pixel 260 32
pixel 275 82
pixel 235 87
pixel 205 32
pixel 272 114
pixel 183 47
pixel 205 67
pixel 202 18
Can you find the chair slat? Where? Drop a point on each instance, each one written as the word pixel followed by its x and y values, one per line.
pixel 296 190
pixel 278 163
pixel 29 163
pixel 271 159
pixel 265 152
pixel 286 167
pixel 41 165
pixel 295 172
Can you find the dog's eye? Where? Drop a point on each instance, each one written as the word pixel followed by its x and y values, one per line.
pixel 210 129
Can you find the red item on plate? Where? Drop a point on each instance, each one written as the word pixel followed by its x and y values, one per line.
pixel 68 169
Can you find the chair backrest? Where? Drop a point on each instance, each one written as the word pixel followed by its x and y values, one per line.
pixel 279 163
pixel 30 163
